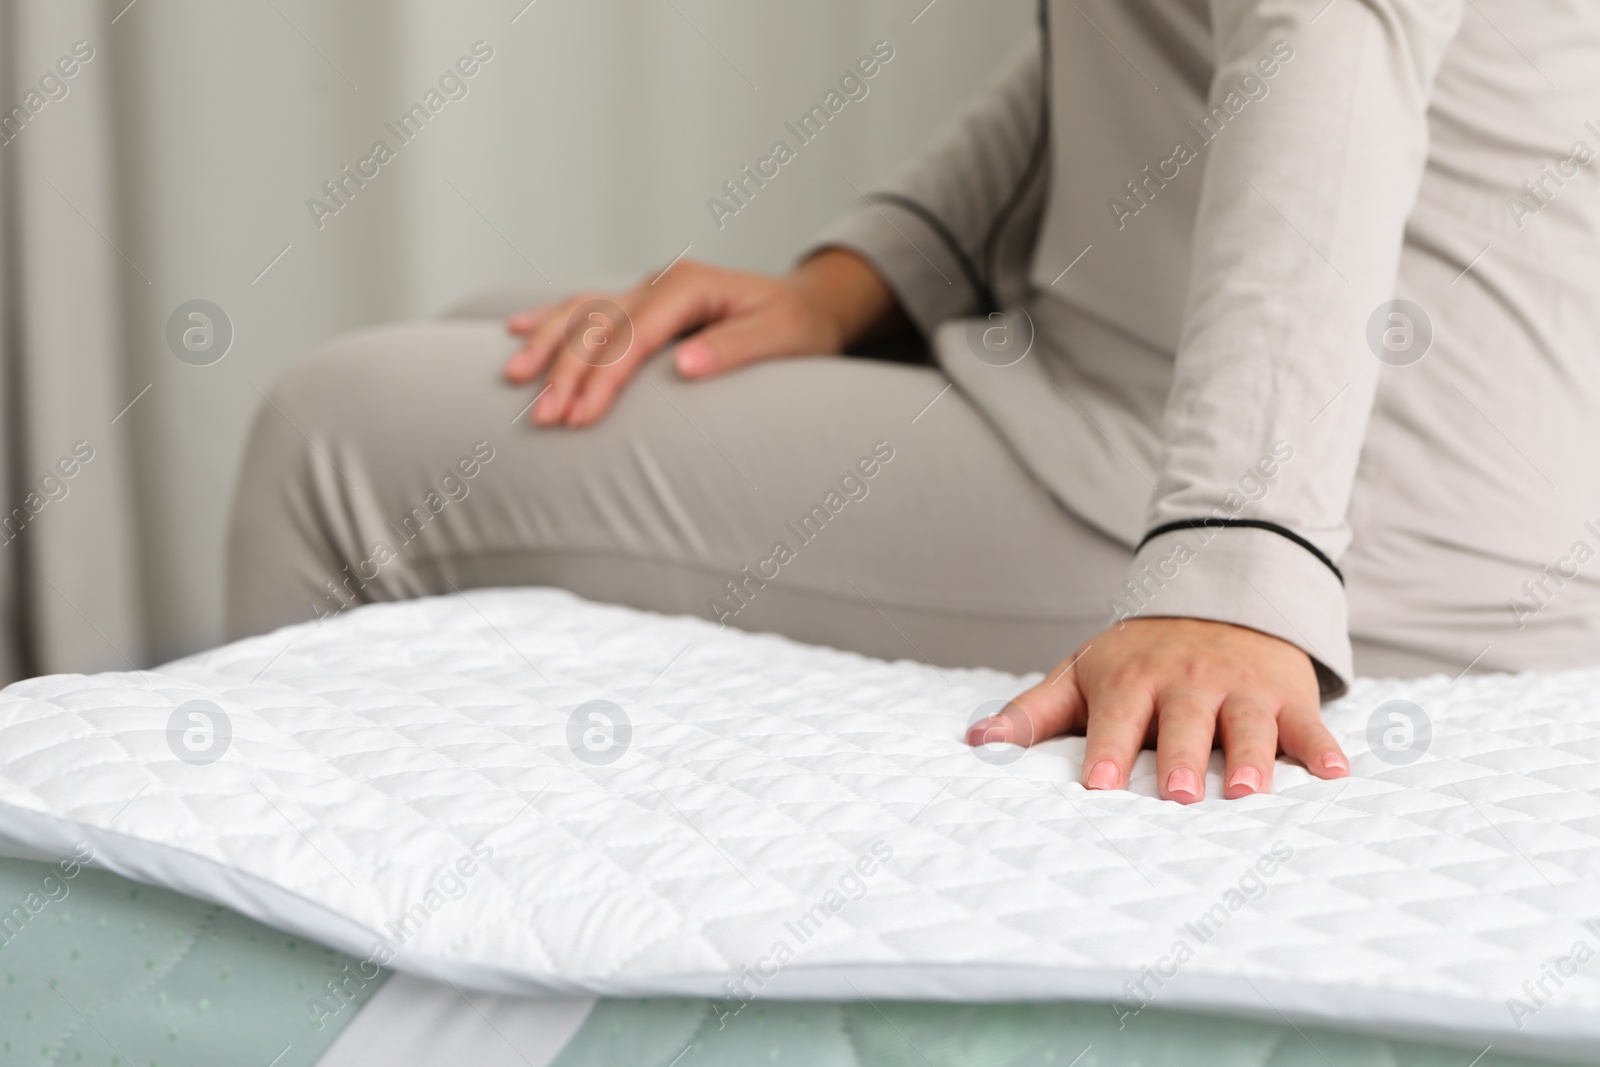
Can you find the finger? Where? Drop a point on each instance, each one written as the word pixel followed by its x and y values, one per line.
pixel 685 300
pixel 652 315
pixel 1303 737
pixel 656 314
pixel 524 322
pixel 600 385
pixel 542 343
pixel 568 370
pixel 1048 710
pixel 1117 722
pixel 1250 742
pixel 554 331
pixel 616 343
pixel 736 341
pixel 1186 723
pixel 521 365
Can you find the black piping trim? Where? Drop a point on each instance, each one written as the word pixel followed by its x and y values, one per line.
pixel 1253 524
pixel 982 280
pixel 968 268
pixel 1036 159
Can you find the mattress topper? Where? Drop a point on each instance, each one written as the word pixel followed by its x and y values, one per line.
pixel 525 792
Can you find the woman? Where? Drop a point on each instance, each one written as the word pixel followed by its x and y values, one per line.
pixel 1272 326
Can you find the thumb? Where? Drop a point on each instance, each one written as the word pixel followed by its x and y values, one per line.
pixel 730 343
pixel 1051 708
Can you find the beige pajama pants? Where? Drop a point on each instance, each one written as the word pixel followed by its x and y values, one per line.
pixel 850 502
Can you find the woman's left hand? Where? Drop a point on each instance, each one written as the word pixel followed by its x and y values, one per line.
pixel 1179 684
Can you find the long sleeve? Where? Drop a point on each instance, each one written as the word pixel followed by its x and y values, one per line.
pixel 1296 245
pixel 959 225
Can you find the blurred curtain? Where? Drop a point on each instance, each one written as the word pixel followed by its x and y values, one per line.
pixel 68 597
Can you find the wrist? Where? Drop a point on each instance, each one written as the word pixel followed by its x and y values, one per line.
pixel 845 292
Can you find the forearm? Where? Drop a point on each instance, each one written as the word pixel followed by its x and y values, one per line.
pixel 1297 244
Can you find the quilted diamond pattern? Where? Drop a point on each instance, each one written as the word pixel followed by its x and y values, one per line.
pixel 374 757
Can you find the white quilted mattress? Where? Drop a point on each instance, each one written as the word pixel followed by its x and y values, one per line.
pixel 428 785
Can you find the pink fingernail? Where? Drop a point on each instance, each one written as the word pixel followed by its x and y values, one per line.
pixel 693 358
pixel 1245 778
pixel 547 410
pixel 1334 761
pixel 1103 775
pixel 992 730
pixel 1183 786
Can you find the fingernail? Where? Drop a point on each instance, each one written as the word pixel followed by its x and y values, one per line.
pixel 979 732
pixel 693 358
pixel 518 365
pixel 1335 761
pixel 548 409
pixel 1245 778
pixel 1182 785
pixel 1103 775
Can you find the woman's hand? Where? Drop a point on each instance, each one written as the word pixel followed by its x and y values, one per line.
pixel 831 301
pixel 1179 684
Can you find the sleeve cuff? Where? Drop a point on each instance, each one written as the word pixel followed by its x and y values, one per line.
pixel 1247 577
pixel 926 276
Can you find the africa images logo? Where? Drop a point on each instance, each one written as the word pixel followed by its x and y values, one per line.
pixel 199 733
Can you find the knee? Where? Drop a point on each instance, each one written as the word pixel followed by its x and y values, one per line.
pixel 279 537
pixel 293 422
pixel 320 389
pixel 318 407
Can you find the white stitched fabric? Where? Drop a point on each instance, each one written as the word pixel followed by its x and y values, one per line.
pixel 429 785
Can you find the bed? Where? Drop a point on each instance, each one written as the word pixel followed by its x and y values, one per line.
pixel 519 826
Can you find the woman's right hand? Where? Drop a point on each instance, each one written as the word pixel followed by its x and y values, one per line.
pixel 725 319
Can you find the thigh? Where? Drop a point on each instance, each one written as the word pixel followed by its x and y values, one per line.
pixel 856 503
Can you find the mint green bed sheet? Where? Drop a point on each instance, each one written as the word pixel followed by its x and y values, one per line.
pixel 110 972
pixel 679 1033
pixel 115 973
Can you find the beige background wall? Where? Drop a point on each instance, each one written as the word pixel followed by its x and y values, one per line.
pixel 589 143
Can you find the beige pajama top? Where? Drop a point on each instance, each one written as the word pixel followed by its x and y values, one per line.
pixel 1162 252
